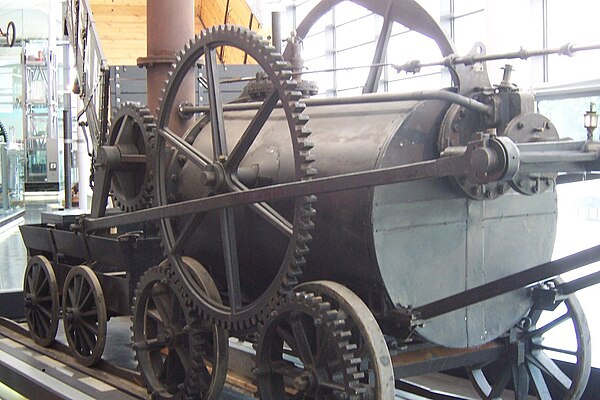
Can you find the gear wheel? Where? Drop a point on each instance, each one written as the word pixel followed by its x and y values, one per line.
pixel 133 126
pixel 172 346
pixel 317 336
pixel 237 315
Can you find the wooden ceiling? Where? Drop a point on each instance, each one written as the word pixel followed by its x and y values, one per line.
pixel 121 25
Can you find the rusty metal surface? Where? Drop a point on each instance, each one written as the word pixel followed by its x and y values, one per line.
pixel 170 25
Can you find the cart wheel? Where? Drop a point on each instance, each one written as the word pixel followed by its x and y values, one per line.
pixel 179 355
pixel 10 34
pixel 376 364
pixel 84 315
pixel 539 373
pixel 41 300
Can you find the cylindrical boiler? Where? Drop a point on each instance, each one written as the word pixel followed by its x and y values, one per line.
pixel 414 242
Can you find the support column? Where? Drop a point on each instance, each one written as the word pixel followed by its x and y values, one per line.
pixel 67 125
pixel 84 164
pixel 170 25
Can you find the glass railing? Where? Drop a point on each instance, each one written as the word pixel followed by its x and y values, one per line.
pixel 12 177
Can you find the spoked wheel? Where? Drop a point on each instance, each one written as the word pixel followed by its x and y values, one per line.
pixel 220 154
pixel 84 315
pixel 40 290
pixel 371 348
pixel 303 353
pixel 10 34
pixel 179 356
pixel 407 13
pixel 542 337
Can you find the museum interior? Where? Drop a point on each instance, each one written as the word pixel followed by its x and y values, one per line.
pixel 400 196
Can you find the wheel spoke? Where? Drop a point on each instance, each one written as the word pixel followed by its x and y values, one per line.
pixel 36 276
pixel 549 367
pixel 70 296
pixel 214 98
pixel 88 295
pixel 89 313
pixel 183 356
pixel 539 382
pixel 380 51
pixel 44 324
pixel 45 312
pixel 287 337
pixel 155 315
pixel 126 124
pixel 301 339
pixel 79 282
pixel 89 340
pixel 550 325
pixel 231 259
pixel 184 147
pixel 163 309
pixel 93 329
pixel 274 218
pixel 520 381
pixel 268 213
pixel 332 386
pixel 252 130
pixel 555 349
pixel 187 231
pixel 501 383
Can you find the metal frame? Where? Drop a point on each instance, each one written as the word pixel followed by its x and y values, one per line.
pixel 92 67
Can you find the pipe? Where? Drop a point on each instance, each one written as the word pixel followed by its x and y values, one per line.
pixel 276 30
pixel 67 122
pixel 170 25
pixel 456 98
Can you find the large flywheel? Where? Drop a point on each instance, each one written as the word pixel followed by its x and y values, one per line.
pixel 408 13
pixel 219 153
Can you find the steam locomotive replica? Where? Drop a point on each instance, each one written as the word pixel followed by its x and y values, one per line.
pixel 392 235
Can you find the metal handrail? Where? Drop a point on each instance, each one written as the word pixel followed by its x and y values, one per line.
pixel 92 67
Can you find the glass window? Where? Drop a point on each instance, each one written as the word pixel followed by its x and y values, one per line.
pixel 462 7
pixel 578 205
pixel 348 11
pixel 572 22
pixel 357 32
pixel 468 30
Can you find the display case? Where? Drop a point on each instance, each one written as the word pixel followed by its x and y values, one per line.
pixel 12 176
pixel 40 119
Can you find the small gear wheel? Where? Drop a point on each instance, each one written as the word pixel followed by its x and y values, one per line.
pixel 132 188
pixel 178 356
pixel 310 331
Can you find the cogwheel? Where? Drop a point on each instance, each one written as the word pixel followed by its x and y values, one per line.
pixel 307 328
pixel 133 127
pixel 237 314
pixel 170 341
